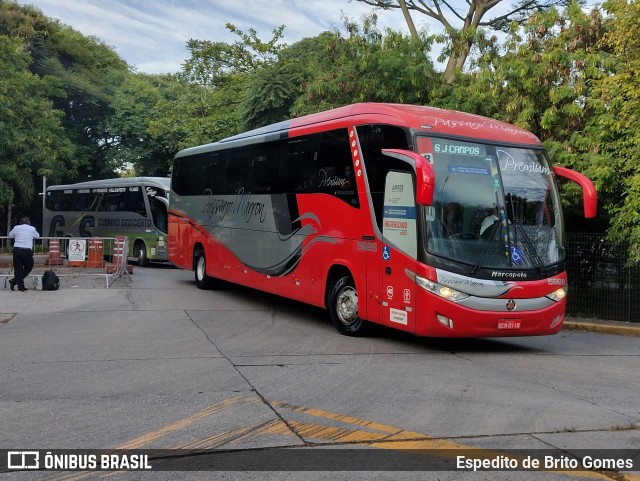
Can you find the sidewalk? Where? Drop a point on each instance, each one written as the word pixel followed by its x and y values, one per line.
pixel 604 327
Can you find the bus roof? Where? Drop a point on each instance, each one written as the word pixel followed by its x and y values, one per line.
pixel 429 119
pixel 161 182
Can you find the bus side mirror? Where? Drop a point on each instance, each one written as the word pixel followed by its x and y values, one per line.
pixel 589 194
pixel 425 177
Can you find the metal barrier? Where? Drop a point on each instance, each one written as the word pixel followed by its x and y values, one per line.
pixel 71 258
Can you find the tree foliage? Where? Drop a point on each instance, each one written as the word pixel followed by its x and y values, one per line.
pixel 209 98
pixel 462 28
pixel 71 109
pixel 619 121
pixel 135 106
pixel 367 66
pixel 32 140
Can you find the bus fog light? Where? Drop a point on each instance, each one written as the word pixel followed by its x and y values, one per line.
pixel 445 321
pixel 556 320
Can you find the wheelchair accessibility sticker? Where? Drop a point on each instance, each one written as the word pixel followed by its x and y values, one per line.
pixel 386 253
pixel 516 255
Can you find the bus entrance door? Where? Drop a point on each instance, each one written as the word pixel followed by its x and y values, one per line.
pixel 399 247
pixel 371 246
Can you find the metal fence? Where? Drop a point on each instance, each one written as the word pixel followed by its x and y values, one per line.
pixel 72 259
pixel 601 285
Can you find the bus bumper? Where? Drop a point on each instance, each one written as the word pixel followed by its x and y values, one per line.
pixel 448 319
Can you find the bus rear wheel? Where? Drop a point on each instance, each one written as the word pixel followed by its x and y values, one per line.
pixel 203 281
pixel 141 253
pixel 343 307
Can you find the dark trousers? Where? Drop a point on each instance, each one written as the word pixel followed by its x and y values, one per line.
pixel 22 264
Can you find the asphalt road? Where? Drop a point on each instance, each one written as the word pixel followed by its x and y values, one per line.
pixel 154 363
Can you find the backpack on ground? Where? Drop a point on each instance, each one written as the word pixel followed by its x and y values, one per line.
pixel 50 281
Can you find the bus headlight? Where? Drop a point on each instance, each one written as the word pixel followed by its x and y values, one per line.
pixel 438 289
pixel 558 294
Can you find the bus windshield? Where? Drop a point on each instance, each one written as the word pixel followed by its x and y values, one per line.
pixel 494 206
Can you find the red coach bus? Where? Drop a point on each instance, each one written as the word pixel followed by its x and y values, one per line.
pixel 438 223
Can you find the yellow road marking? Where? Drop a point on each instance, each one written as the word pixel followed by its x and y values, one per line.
pixel 375 435
pixel 181 424
pixel 145 439
pixel 413 441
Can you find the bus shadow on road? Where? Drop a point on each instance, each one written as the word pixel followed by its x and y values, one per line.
pixel 455 345
pixel 319 317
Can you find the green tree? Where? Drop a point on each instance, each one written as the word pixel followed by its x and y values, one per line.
pixel 542 79
pixel 191 114
pixel 367 66
pixel 462 28
pixel 90 74
pixel 619 121
pixel 32 140
pixel 208 100
pixel 271 91
pixel 88 71
pixel 135 106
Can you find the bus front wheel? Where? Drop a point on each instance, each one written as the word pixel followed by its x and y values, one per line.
pixel 343 307
pixel 203 281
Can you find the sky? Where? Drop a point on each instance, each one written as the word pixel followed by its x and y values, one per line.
pixel 151 35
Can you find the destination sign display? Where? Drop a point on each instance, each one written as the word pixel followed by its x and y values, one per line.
pixel 458 148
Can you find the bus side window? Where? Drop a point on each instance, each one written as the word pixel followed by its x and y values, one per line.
pixel 295 175
pixel 238 167
pixel 374 138
pixel 81 201
pixel 158 214
pixel 333 166
pixel 214 173
pixel 263 176
pixel 134 202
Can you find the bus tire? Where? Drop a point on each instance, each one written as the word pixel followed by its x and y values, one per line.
pixel 203 281
pixel 141 254
pixel 343 307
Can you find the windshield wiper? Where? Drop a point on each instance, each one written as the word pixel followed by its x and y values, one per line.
pixel 534 253
pixel 527 240
pixel 490 244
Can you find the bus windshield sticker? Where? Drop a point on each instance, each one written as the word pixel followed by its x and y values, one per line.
pixel 399 212
pixel 528 165
pixel 464 169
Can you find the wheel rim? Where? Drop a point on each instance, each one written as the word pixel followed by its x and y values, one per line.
pixel 347 306
pixel 200 268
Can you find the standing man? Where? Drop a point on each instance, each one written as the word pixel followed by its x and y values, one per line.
pixel 22 252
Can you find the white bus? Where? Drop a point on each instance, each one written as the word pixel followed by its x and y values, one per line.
pixel 135 207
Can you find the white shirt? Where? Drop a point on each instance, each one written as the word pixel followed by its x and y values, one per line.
pixel 24 235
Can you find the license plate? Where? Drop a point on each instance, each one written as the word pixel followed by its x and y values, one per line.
pixel 509 324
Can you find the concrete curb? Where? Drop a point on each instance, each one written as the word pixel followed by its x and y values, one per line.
pixel 604 327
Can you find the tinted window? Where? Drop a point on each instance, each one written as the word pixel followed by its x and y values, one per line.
pixel 158 213
pixel 296 165
pixel 374 138
pixel 317 163
pixel 332 166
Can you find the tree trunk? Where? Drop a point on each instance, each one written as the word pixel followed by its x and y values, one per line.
pixel 409 20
